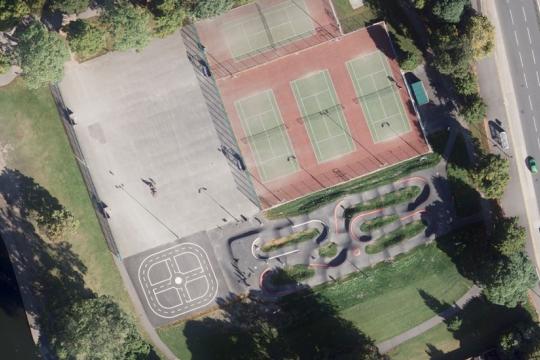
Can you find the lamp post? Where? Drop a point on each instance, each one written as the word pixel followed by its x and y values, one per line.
pixel 204 190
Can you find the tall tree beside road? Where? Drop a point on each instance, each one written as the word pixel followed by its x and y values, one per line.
pixel 129 26
pixel 467 84
pixel 96 328
pixel 449 10
pixel 473 108
pixel 509 237
pixel 42 55
pixel 491 175
pixel 510 278
pixel 481 34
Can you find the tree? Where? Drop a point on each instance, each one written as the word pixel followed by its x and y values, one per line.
pixel 85 39
pixel 481 34
pixel 508 236
pixel 36 6
pixel 453 53
pixel 42 55
pixel 473 109
pixel 419 4
pixel 467 84
pixel 129 26
pixel 5 63
pixel 510 279
pixel 57 225
pixel 69 6
pixel 449 10
pixel 96 328
pixel 169 16
pixel 491 175
pixel 11 12
pixel 410 57
pixel 202 9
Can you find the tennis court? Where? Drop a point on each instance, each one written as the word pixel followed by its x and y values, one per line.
pixel 322 115
pixel 268 28
pixel 266 135
pixel 378 95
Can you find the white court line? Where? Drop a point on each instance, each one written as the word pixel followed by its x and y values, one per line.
pixel 530 102
pixel 517 40
pixel 533 56
pixel 538 141
pixel 520 58
pixel 524 15
pixel 511 16
pixel 525 79
pixel 534 122
pixel 529 34
pixel 538 78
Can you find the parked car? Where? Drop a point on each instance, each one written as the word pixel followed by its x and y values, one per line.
pixel 503 140
pixel 531 163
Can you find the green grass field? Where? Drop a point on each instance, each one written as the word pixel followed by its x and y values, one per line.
pixel 351 19
pixel 329 250
pixel 481 324
pixel 392 198
pixel 378 222
pixel 294 238
pixel 30 124
pixel 382 301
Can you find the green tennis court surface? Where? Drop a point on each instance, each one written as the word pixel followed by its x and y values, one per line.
pixel 267 28
pixel 323 116
pixel 266 135
pixel 378 96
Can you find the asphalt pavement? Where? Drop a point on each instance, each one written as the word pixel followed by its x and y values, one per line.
pixel 519 26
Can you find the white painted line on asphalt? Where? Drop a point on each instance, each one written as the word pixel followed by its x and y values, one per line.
pixel 511 16
pixel 525 79
pixel 529 35
pixel 538 78
pixel 534 122
pixel 517 40
pixel 533 56
pixel 524 15
pixel 538 141
pixel 530 103
pixel 520 58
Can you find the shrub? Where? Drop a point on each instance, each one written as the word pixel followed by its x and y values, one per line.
pixel 85 39
pixel 466 85
pixel 474 109
pixel 5 63
pixel 449 11
pixel 69 6
pixel 169 16
pixel 202 9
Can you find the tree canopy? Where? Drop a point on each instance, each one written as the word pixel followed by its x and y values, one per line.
pixel 5 63
pixel 491 175
pixel 169 15
pixel 508 236
pixel 69 6
pixel 481 34
pixel 96 328
pixel 510 278
pixel 202 9
pixel 449 10
pixel 42 55
pixel 85 39
pixel 11 12
pixel 129 26
pixel 473 109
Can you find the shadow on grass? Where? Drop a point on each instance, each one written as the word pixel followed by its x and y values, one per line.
pixel 302 325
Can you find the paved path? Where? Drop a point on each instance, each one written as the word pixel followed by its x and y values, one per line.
pixel 389 344
pixel 9 76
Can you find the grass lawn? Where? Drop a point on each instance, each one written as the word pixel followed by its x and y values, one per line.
pixel 351 19
pixel 481 325
pixel 294 238
pixel 404 232
pixel 314 201
pixel 30 124
pixel 392 198
pixel 329 250
pixel 292 274
pixel 378 222
pixel 387 300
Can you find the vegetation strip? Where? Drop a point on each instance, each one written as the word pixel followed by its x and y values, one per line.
pixel 292 274
pixel 313 201
pixel 392 198
pixel 294 238
pixel 328 250
pixel 403 233
pixel 378 222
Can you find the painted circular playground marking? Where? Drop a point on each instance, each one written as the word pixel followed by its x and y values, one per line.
pixel 178 280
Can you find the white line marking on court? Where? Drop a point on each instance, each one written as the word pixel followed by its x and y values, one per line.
pixel 529 34
pixel 533 56
pixel 534 122
pixel 511 16
pixel 520 58
pixel 538 141
pixel 530 102
pixel 524 15
pixel 525 79
pixel 284 254
pixel 538 78
pixel 517 40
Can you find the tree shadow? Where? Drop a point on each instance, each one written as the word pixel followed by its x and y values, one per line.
pixel 433 303
pixel 302 325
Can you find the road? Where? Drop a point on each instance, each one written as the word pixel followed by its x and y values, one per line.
pixel 519 22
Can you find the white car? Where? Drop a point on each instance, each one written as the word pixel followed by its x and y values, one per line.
pixel 503 140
